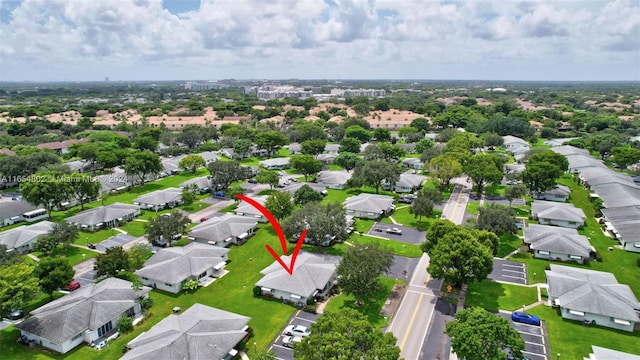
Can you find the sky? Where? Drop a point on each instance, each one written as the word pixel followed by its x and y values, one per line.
pixel 128 40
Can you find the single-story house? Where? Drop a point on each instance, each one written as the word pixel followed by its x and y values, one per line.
pixel 591 177
pixel 618 195
pixel 255 152
pixel 252 170
pixel 332 149
pixel 407 183
pixel 160 199
pixel 89 314
pixel 560 193
pixel 592 296
pixel 246 209
pixel 413 163
pixel 578 162
pixel 292 188
pixel 567 150
pixel 170 267
pixel 408 148
pixel 104 216
pixel 61 147
pixel 557 142
pixel 224 230
pixel 623 223
pixel 313 275
pixel 554 243
pixel 79 165
pixel 600 353
pixel 558 214
pixel 295 149
pixel 171 165
pixel 22 238
pixel 369 206
pixel 228 153
pixel 15 211
pixel 513 142
pixel 326 159
pixel 203 184
pixel 334 179
pixel 514 168
pixel 209 157
pixel 200 333
pixel 276 163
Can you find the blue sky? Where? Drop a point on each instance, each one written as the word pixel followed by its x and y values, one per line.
pixel 87 40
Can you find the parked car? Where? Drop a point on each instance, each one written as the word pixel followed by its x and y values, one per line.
pixel 296 330
pixel 203 219
pixel 394 231
pixel 512 182
pixel 281 185
pixel 405 200
pixel 73 285
pixel 252 181
pixel 288 341
pixel 292 180
pixel 91 246
pixel 523 317
pixel 16 315
pixel 219 194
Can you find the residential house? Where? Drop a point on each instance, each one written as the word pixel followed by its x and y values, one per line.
pixel 228 153
pixel 618 195
pixel 369 206
pixel 60 147
pixel 579 162
pixel 117 181
pixel 567 150
pixel 200 333
pixel 334 179
pixel 160 199
pixel 276 163
pixel 593 297
pixel 246 209
pixel 209 157
pixel 313 275
pixel 326 159
pixel 89 314
pixel 202 184
pixel 78 166
pixel 407 183
pixel 431 136
pixel 255 152
pixel 23 238
pixel 596 176
pixel 554 243
pixel 623 223
pixel 292 188
pixel 171 165
pixel 514 168
pixel 170 267
pixel 15 211
pixel 512 143
pixel 560 193
pixel 600 353
pixel 295 149
pixel 104 216
pixel 558 214
pixel 224 230
pixel 409 148
pixel 413 163
pixel 557 142
pixel 332 149
pixel 252 170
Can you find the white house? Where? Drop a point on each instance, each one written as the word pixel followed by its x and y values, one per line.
pixel 160 199
pixel 406 183
pixel 555 243
pixel 332 149
pixel 246 209
pixel 600 353
pixel 295 149
pixel 592 296
pixel 15 211
pixel 292 188
pixel 202 183
pixel 334 179
pixel 23 238
pixel 276 163
pixel 170 267
pixel 89 314
pixel 313 275
pixel 560 193
pixel 326 159
pixel 224 230
pixel 104 216
pixel 369 206
pixel 623 223
pixel 558 214
pixel 577 162
pixel 413 163
pixel 512 143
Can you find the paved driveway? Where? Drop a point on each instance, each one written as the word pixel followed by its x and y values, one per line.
pixel 509 271
pixel 299 318
pixel 409 235
pixel 536 339
pixel 402 267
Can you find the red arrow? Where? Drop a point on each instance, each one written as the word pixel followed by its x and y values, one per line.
pixel 278 229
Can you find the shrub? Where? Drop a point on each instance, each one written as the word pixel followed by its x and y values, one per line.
pixel 598 257
pixel 310 309
pixel 125 324
pixel 146 303
pixel 257 292
pixel 190 285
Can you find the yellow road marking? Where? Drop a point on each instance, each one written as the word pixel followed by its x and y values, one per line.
pixel 455 208
pixel 413 318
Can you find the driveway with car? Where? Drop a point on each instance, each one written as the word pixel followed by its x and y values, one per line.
pixel 279 344
pixel 405 233
pixel 509 271
pixel 536 339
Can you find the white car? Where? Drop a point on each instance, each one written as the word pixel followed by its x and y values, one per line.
pixel 395 231
pixel 288 341
pixel 296 330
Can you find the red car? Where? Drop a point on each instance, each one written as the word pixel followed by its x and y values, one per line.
pixel 73 285
pixel 203 219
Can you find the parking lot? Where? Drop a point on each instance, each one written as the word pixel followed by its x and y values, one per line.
pixel 536 341
pixel 409 235
pixel 299 318
pixel 509 271
pixel 86 278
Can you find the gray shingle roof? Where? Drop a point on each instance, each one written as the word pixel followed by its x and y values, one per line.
pixel 275 161
pixel 160 197
pixel 618 195
pixel 369 203
pixel 176 264
pixel 410 180
pixel 579 162
pixel 22 235
pixel 598 176
pixel 209 156
pixel 201 182
pixel 592 291
pixel 311 272
pixel 332 147
pixel 246 208
pixel 103 214
pixel 560 190
pixel 557 240
pixel 600 353
pixel 334 176
pixel 557 211
pixel 201 332
pixel 326 157
pixel 172 163
pixel 509 139
pixel 569 150
pixel 292 188
pixel 626 221
pixel 223 227
pixel 295 147
pixel 89 307
pixel 11 208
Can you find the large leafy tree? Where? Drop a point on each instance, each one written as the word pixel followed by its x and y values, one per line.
pixel 306 164
pixel 63 233
pixel 145 143
pixel 357 132
pixel 192 162
pixel 437 231
pixel 223 173
pixel 514 192
pixel 477 334
pixel 424 203
pixel 142 163
pixel 191 137
pixel 242 148
pixel 306 194
pixel 268 177
pixel 313 146
pixel 163 228
pixel 360 269
pixel 374 173
pixel 54 273
pixel 373 152
pixel 18 286
pixel 350 145
pixel 625 156
pixel 48 189
pixel 88 152
pixel 464 141
pixel 423 145
pixel 271 141
pixel 138 254
pixel 347 160
pixel 279 204
pixel 111 262
pixel 497 219
pixel 540 177
pixel 321 221
pixel 444 168
pixel 483 169
pixel 83 187
pixel 346 334
pixel 382 134
pixel 459 258
pixel 554 158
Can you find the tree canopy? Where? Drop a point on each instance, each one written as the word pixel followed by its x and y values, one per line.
pixel 306 164
pixel 192 162
pixel 360 269
pixel 111 262
pixel 279 204
pixel 54 273
pixel 374 173
pixel 223 173
pixel 321 221
pixel 484 169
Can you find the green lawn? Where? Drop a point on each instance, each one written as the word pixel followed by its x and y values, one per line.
pixel 363 225
pixel 404 217
pixel 233 292
pixel 397 247
pixel 491 295
pixel 196 206
pixel 74 255
pixel 95 237
pixel 495 190
pixel 472 207
pixel 508 243
pixel 371 309
pixel 135 228
pixel 573 340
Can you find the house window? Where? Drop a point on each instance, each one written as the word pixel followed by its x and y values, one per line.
pixel 574 257
pixel 167 284
pixel 576 313
pixel 104 329
pixel 76 337
pixel 144 278
pixel 543 252
pixel 622 322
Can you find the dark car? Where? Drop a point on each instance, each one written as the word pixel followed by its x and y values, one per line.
pixel 252 181
pixel 523 317
pixel 203 219
pixel 91 246
pixel 73 285
pixel 16 315
pixel 218 194
pixel 405 200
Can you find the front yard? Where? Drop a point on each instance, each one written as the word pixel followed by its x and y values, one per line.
pixel 492 295
pixel 73 254
pixel 397 247
pixel 402 216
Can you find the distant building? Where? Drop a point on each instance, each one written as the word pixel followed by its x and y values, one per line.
pixel 281 92
pixel 358 92
pixel 200 86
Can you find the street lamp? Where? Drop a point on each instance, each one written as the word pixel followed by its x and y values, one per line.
pixel 534 276
pixel 255 347
pixel 558 358
pixel 87 238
